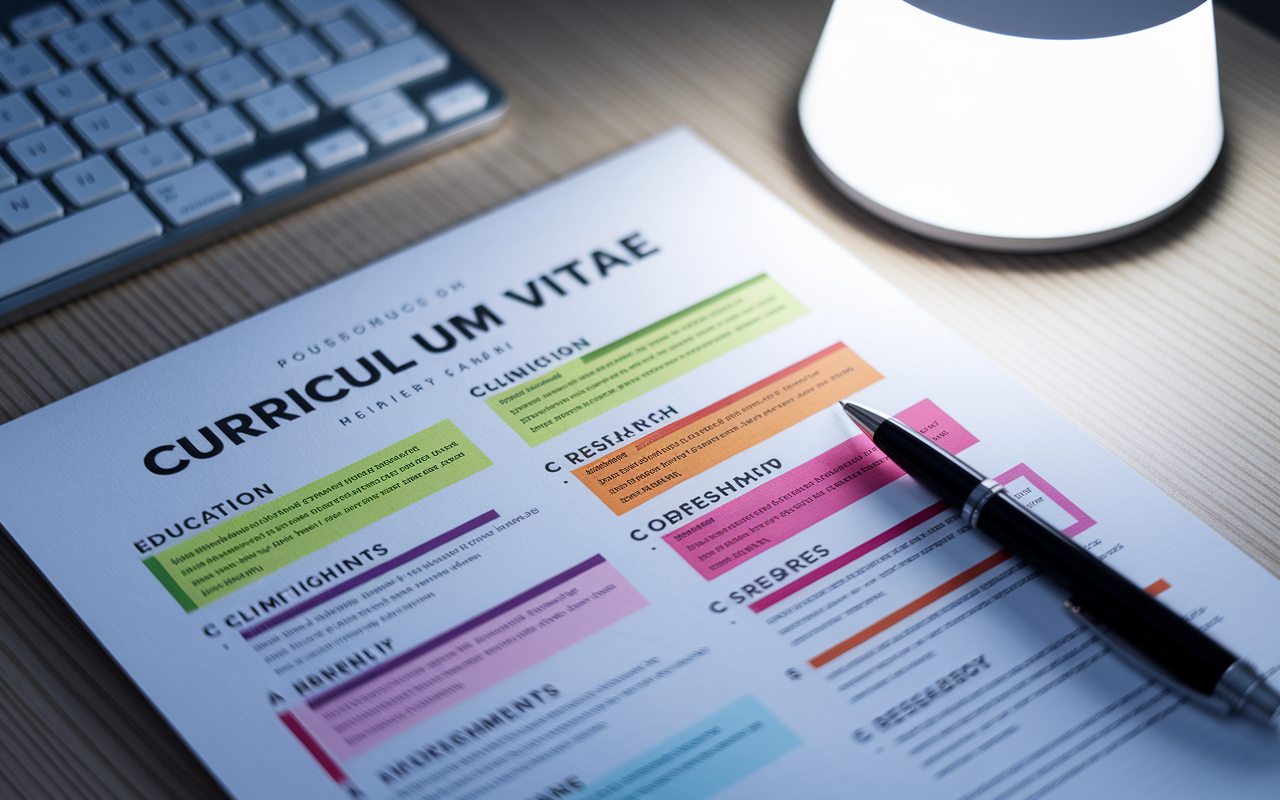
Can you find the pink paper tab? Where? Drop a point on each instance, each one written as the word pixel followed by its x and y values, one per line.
pixel 476 655
pixel 771 513
pixel 1037 494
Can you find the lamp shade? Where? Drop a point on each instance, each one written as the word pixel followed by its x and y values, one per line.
pixel 1022 125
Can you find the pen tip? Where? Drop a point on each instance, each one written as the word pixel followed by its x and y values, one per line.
pixel 865 418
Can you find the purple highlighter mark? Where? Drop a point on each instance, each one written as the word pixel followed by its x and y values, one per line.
pixel 468 659
pixel 383 568
pixel 456 631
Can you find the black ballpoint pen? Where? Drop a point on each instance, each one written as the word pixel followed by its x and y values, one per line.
pixel 1123 613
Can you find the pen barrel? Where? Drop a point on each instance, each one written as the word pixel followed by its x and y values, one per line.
pixel 1142 621
pixel 948 477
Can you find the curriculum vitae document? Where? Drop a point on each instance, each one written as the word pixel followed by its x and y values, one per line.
pixel 559 504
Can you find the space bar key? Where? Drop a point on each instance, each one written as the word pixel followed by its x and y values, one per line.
pixel 386 68
pixel 68 243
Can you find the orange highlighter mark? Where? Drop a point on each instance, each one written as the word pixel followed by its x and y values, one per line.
pixel 671 455
pixel 910 608
pixel 929 597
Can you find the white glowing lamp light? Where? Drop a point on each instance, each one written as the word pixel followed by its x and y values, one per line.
pixel 1016 142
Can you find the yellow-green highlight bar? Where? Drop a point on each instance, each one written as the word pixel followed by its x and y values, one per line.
pixel 604 379
pixel 276 534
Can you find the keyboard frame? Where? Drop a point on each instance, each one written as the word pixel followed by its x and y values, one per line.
pixel 256 210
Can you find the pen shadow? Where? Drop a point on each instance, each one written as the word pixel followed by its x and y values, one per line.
pixel 1232 743
pixel 1142 246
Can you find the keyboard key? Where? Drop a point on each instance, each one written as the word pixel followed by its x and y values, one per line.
pixel 389 23
pixel 336 148
pixel 44 151
pixel 71 94
pixel 204 10
pixel 155 156
pixel 220 131
pixel 276 173
pixel 387 68
pixel 195 48
pixel 26 206
pixel 346 38
pixel 85 44
pixel 194 194
pixel 281 108
pixel 78 239
pixel 92 9
pixel 147 21
pixel 17 116
pixel 41 22
pixel 26 66
pixel 108 127
pixel 378 107
pixel 170 103
pixel 294 57
pixel 397 127
pixel 133 70
pixel 309 12
pixel 234 79
pixel 458 100
pixel 8 177
pixel 90 181
pixel 256 25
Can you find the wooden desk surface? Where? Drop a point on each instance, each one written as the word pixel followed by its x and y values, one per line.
pixel 1165 348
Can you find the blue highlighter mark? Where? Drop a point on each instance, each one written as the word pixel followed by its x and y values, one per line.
pixel 700 760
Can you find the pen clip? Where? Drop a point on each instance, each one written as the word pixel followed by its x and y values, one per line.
pixel 1126 651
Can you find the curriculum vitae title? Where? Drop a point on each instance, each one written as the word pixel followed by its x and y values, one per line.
pixel 270 413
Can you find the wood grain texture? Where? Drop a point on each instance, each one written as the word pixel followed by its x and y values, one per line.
pixel 1164 347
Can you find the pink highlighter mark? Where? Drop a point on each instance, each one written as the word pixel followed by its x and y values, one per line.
pixel 934 423
pixel 470 658
pixel 313 747
pixel 845 559
pixel 771 513
pixel 1082 521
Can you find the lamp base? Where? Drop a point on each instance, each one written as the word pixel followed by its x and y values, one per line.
pixel 997 244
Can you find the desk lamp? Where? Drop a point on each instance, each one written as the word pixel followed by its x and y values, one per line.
pixel 1017 125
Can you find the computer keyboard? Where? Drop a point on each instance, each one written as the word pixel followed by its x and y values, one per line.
pixel 135 130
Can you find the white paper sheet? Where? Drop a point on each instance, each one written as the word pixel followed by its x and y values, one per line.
pixel 557 504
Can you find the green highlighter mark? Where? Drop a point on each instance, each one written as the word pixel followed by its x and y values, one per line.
pixel 626 368
pixel 276 534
